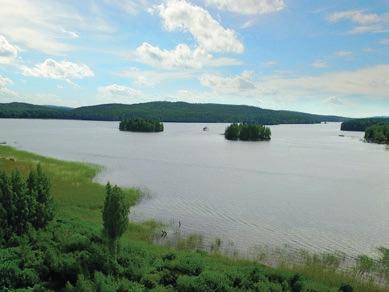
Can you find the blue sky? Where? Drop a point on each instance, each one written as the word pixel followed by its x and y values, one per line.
pixel 327 57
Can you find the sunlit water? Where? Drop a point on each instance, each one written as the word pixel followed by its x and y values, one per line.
pixel 306 188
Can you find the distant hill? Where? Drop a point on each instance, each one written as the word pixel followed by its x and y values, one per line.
pixel 166 112
pixel 361 124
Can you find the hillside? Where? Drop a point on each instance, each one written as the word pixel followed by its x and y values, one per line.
pixel 166 112
pixel 361 124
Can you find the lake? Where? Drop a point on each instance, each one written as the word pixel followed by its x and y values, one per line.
pixel 306 188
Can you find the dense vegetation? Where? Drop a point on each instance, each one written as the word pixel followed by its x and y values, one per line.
pixel 141 125
pixel 361 124
pixel 247 132
pixel 166 112
pixel 378 133
pixel 72 252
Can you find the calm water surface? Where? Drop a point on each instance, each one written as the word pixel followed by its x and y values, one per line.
pixel 306 188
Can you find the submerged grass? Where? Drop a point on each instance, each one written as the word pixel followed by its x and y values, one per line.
pixel 78 198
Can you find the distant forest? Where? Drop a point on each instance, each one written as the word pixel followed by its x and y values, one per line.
pixel 165 112
pixel 378 133
pixel 361 124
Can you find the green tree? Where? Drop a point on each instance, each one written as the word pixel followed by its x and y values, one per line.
pixel 42 206
pixel 115 216
pixel 21 203
pixel 7 206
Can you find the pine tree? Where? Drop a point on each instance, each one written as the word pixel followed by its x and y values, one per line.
pixel 21 203
pixel 44 208
pixel 7 207
pixel 115 216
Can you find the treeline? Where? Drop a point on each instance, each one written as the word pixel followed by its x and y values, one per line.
pixel 247 132
pixel 141 125
pixel 166 112
pixel 24 203
pixel 361 124
pixel 378 133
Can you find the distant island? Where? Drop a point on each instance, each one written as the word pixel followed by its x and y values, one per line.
pixel 165 112
pixel 378 133
pixel 361 124
pixel 141 125
pixel 247 132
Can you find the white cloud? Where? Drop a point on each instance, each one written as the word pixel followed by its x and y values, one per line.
pixel 364 22
pixel 8 52
pixel 59 70
pixel 319 64
pixel 182 56
pixel 115 93
pixel 249 7
pixel 334 100
pixel 384 42
pixel 45 25
pixel 369 82
pixel 153 77
pixel 210 35
pixel 228 84
pixel 344 54
pixel 270 63
pixel 129 6
pixel 4 82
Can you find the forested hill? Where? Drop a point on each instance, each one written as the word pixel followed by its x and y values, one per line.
pixel 165 112
pixel 362 124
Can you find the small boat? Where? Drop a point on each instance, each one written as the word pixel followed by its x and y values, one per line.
pixel 205 129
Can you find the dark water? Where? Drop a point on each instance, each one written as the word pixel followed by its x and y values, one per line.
pixel 307 188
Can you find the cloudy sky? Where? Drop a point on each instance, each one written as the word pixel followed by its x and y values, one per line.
pixel 328 57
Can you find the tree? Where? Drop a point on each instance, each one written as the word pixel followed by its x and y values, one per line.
pixel 44 200
pixel 115 216
pixel 21 203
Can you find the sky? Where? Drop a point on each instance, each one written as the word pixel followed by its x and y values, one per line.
pixel 324 57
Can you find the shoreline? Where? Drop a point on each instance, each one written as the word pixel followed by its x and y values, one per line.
pixel 85 205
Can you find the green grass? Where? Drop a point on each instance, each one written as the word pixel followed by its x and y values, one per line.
pixel 78 198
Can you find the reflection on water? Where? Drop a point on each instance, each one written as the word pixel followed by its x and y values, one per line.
pixel 306 188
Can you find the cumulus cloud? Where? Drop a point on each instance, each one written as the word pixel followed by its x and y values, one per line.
pixel 334 100
pixel 210 35
pixel 115 93
pixel 8 52
pixel 364 22
pixel 249 7
pixel 229 84
pixel 59 70
pixel 182 56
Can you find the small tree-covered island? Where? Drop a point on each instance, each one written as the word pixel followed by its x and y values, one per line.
pixel 141 125
pixel 247 132
pixel 378 133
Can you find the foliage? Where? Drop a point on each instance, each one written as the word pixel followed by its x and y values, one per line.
pixel 24 203
pixel 115 216
pixel 247 132
pixel 167 112
pixel 141 125
pixel 361 124
pixel 378 133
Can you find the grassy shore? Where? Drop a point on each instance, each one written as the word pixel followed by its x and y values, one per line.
pixel 79 199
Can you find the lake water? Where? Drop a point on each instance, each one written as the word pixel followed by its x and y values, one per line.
pixel 306 188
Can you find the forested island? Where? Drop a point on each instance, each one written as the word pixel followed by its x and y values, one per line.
pixel 361 124
pixel 141 125
pixel 166 112
pixel 247 132
pixel 61 231
pixel 378 133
